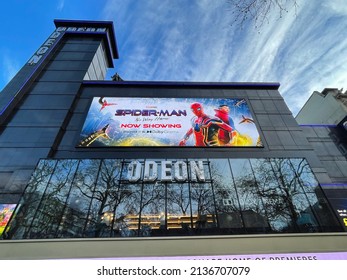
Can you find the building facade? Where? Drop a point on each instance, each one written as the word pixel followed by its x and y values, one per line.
pixel 111 169
pixel 324 121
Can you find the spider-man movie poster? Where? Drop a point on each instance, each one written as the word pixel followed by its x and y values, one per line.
pixel 200 122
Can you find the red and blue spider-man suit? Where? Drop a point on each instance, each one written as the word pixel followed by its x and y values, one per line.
pixel 205 128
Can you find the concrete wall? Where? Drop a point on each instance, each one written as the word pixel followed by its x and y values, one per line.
pixel 322 108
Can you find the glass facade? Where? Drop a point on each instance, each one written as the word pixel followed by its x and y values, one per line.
pixel 170 197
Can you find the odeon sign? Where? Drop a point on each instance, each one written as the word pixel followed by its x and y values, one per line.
pixel 56 34
pixel 166 171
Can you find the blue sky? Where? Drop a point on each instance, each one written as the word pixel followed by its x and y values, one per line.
pixel 193 40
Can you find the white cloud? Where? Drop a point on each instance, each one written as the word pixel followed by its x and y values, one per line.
pixel 61 4
pixel 193 41
pixel 336 6
pixel 10 67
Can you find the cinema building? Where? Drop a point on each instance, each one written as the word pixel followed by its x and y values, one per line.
pixel 125 169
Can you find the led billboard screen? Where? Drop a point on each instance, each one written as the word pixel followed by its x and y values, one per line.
pixel 206 122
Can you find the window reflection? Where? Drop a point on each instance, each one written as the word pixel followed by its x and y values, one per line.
pixel 158 197
pixel 30 200
pixel 271 194
pixel 178 209
pixel 227 203
pixel 75 216
pixel 250 200
pixel 203 211
pixel 319 208
pixel 153 214
pixel 47 217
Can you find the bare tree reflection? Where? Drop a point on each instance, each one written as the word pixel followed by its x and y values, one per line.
pixel 30 200
pixel 226 199
pixel 108 200
pixel 75 216
pixel 49 212
pixel 94 198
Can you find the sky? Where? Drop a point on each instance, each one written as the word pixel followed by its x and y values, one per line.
pixel 197 41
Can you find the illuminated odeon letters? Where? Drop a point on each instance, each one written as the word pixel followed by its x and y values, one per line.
pixel 168 171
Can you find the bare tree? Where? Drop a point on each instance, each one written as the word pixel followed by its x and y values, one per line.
pixel 259 10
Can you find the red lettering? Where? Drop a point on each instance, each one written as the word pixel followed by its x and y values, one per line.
pixel 130 125
pixel 161 125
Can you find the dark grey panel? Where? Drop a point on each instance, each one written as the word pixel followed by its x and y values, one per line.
pixel 162 92
pixel 70 139
pixel 342 164
pixel 272 138
pixel 82 105
pixel 74 56
pixel 274 93
pixel 10 198
pixel 264 93
pixel 17 81
pixel 332 149
pixel 234 92
pixel 308 131
pixel 264 121
pixel 332 169
pixel 4 178
pixel 319 148
pixel 289 121
pixel 48 102
pixel 269 106
pixel 76 121
pixel 119 91
pixel 55 87
pixel 68 65
pixel 300 139
pixel 286 139
pixel 84 40
pixel 251 94
pixel 282 107
pixel 18 180
pixel 44 118
pixel 21 157
pixel 322 131
pixel 257 106
pixel 28 137
pixel 82 47
pixel 277 121
pixel 56 76
pixel 313 160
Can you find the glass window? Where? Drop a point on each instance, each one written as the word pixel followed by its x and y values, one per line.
pixel 301 218
pixel 178 209
pixel 203 209
pixel 318 202
pixel 31 199
pixel 251 204
pixel 153 210
pixel 227 204
pixel 104 200
pixel 75 215
pixel 272 195
pixel 49 213
pixel 158 197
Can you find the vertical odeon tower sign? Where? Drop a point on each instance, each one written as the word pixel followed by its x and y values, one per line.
pixel 20 84
pixel 55 35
